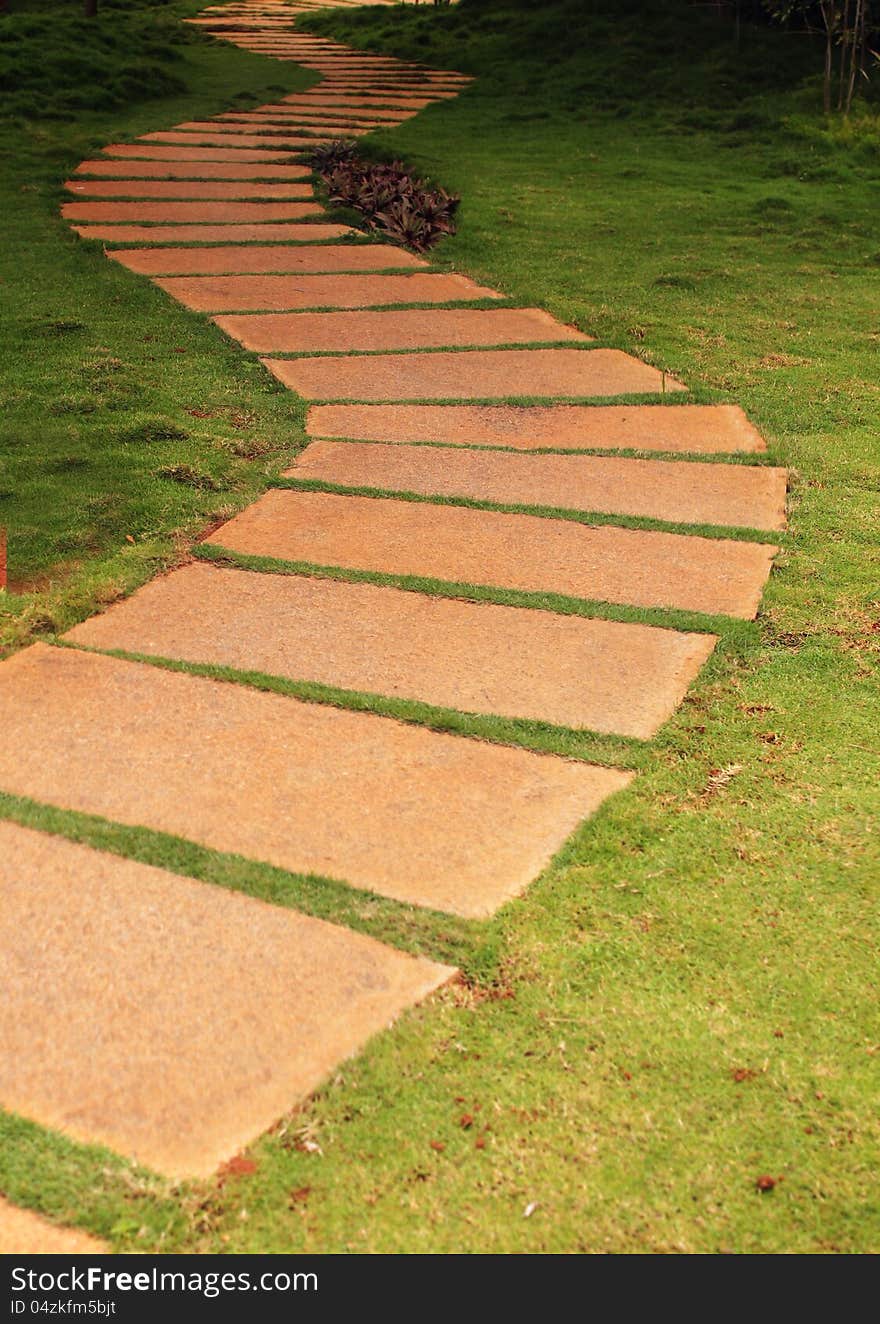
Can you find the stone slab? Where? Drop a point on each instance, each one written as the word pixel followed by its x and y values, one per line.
pixel 513 551
pixel 23 1232
pixel 142 151
pixel 365 101
pixel 476 657
pixel 217 138
pixel 341 100
pixel 198 189
pixel 724 494
pixel 427 818
pixel 168 1019
pixel 471 374
pixel 190 212
pixel 132 169
pixel 221 126
pixel 701 429
pixel 217 294
pixel 177 234
pixel 345 114
pixel 400 329
pixel 251 259
pixel 310 121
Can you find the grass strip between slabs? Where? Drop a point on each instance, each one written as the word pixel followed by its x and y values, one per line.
pixel 592 518
pixel 87 1187
pixel 466 943
pixel 587 746
pixel 738 634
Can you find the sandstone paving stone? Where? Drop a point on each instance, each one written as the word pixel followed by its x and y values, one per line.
pixel 187 189
pixel 345 112
pixel 184 152
pixel 168 1019
pixel 508 550
pixel 352 101
pixel 701 429
pixel 217 294
pixel 471 374
pixel 476 657
pixel 251 259
pixel 132 169
pixel 217 138
pixel 178 234
pixel 427 818
pixel 23 1232
pixel 311 121
pixel 399 329
pixel 726 494
pixel 189 212
pixel 224 127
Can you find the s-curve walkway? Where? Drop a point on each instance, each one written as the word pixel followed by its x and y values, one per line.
pixel 553 567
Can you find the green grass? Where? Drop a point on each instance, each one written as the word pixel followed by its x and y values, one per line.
pixel 106 382
pixel 686 1000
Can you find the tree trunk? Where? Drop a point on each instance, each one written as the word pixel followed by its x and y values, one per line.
pixel 860 38
pixel 827 19
pixel 91 8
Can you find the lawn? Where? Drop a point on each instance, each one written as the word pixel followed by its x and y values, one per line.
pixel 105 382
pixel 685 1005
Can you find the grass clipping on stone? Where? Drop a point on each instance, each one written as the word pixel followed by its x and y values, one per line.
pixel 392 200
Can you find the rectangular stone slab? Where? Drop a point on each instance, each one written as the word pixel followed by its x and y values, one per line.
pixel 196 128
pixel 701 429
pixel 177 234
pixel 476 657
pixel 189 212
pixel 507 550
pixel 307 121
pixel 217 294
pixel 216 138
pixel 347 113
pixel 471 374
pixel 23 1232
pixel 362 101
pixel 150 152
pixel 429 819
pixel 167 1019
pixel 190 170
pixel 730 494
pixel 198 189
pixel 248 258
pixel 400 329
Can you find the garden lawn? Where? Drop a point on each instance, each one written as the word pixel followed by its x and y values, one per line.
pixel 105 382
pixel 670 1043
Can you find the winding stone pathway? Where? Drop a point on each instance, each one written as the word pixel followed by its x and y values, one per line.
pixel 174 1021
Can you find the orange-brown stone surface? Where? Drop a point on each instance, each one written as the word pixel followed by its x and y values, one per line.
pixel 217 138
pixel 217 294
pixel 473 374
pixel 288 232
pixel 730 494
pixel 429 819
pixel 168 1019
pixel 702 429
pixel 509 550
pixel 189 170
pixel 475 657
pixel 250 259
pixel 23 1232
pixel 187 212
pixel 403 328
pixel 187 189
pixel 310 122
pixel 152 152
